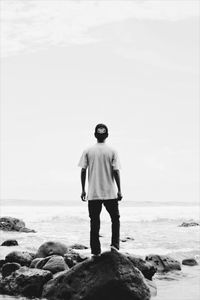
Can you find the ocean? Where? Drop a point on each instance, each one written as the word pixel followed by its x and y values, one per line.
pixel 152 228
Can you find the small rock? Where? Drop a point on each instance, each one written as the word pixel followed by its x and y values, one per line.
pixel 35 262
pixel 145 267
pixel 189 262
pixel 24 258
pixel 189 224
pixel 163 263
pixel 8 268
pixel 78 247
pixel 126 239
pixel 72 258
pixel 54 263
pixel 51 248
pixel 25 281
pixel 10 243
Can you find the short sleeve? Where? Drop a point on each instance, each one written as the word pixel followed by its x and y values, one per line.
pixel 115 161
pixel 83 162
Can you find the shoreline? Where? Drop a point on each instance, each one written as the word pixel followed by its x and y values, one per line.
pixel 78 202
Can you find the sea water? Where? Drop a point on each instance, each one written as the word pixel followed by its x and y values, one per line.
pixel 152 228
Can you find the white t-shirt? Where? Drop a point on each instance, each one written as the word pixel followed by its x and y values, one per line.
pixel 100 160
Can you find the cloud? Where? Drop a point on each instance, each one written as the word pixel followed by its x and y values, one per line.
pixel 31 25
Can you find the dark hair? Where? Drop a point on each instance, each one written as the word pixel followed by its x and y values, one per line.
pixel 101 128
pixel 101 131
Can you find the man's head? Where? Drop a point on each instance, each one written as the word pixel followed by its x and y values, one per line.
pixel 101 132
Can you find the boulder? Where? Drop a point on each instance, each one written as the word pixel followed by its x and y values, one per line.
pixel 51 248
pixel 147 269
pixel 110 276
pixel 54 264
pixel 8 268
pixel 23 258
pixel 13 224
pixel 189 224
pixel 72 258
pixel 78 247
pixel 10 243
pixel 163 263
pixel 189 262
pixel 25 281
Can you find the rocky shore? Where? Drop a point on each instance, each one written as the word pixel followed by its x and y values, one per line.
pixel 60 272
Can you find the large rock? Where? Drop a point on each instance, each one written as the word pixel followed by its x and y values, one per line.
pixel 51 248
pixel 163 263
pixel 110 276
pixel 13 224
pixel 23 258
pixel 189 262
pixel 10 243
pixel 72 257
pixel 25 281
pixel 147 269
pixel 52 263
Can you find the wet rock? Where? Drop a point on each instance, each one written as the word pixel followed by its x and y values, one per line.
pixel 163 263
pixel 110 276
pixel 13 224
pixel 189 224
pixel 53 263
pixel 147 269
pixel 78 247
pixel 10 243
pixel 189 262
pixel 25 281
pixel 72 258
pixel 24 258
pixel 51 248
pixel 8 268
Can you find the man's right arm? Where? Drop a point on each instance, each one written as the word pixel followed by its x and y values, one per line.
pixel 116 174
pixel 83 178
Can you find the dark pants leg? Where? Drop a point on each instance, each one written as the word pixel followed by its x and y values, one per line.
pixel 94 207
pixel 113 209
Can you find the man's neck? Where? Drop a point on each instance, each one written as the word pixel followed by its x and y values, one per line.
pixel 101 142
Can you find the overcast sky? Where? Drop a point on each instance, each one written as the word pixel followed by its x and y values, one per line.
pixel 68 65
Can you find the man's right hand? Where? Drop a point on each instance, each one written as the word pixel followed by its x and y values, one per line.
pixel 119 196
pixel 83 196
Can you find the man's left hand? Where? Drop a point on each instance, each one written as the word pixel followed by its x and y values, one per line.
pixel 83 196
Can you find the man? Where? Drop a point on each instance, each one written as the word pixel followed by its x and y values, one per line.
pixel 103 166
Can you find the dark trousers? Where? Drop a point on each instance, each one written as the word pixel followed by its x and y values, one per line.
pixel 95 207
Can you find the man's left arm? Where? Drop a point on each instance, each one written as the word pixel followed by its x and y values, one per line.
pixel 116 174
